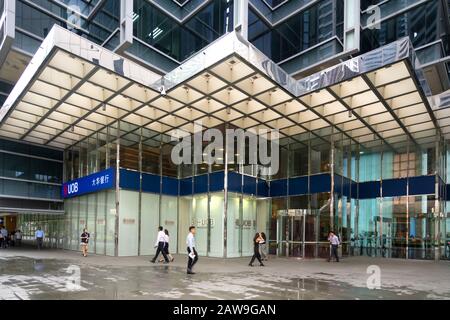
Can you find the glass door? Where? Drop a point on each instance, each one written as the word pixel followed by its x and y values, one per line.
pixel 290 227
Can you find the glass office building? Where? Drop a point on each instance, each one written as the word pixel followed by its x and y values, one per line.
pixel 92 93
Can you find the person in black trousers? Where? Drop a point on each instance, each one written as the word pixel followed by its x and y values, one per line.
pixel 256 255
pixel 159 244
pixel 192 253
pixel 334 244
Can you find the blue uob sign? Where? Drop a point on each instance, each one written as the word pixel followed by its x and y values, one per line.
pixel 92 183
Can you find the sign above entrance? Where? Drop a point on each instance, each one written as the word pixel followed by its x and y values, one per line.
pixel 92 183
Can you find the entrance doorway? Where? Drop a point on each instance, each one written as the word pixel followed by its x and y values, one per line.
pixel 9 221
pixel 303 233
pixel 290 227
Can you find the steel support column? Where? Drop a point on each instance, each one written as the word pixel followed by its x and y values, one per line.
pixel 225 194
pixel 116 225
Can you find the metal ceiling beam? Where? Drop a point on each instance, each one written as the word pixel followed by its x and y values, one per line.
pixel 129 84
pixel 388 108
pixel 61 101
pixel 424 98
pixel 359 118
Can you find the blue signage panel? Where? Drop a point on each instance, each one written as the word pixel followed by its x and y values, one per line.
pixel 92 183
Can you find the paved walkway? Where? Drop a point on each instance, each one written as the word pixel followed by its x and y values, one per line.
pixel 50 274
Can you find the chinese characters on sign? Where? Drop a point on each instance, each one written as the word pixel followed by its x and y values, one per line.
pixel 92 183
pixel 104 179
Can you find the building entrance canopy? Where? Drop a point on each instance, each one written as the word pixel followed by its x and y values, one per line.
pixel 73 88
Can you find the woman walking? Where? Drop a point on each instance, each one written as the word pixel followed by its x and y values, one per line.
pixel 263 247
pixel 166 246
pixel 84 242
pixel 256 240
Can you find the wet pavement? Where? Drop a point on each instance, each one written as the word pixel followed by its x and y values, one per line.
pixel 39 276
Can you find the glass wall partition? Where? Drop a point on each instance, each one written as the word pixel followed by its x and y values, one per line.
pixel 421 227
pixel 263 215
pixel 51 224
pixel 277 238
pixel 320 155
pixel 317 226
pixel 234 236
pixel 100 225
pixel 151 143
pixel 129 151
pixel 149 224
pixel 368 217
pixel 298 158
pixel 128 223
pixel 199 219
pixel 169 218
pixel 103 154
pixel 248 224
pixel 216 233
pixel 399 227
pixel 185 209
pixel 110 222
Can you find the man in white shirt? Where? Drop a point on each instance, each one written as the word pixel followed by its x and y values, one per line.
pixel 160 241
pixel 4 235
pixel 18 238
pixel 334 242
pixel 39 237
pixel 192 253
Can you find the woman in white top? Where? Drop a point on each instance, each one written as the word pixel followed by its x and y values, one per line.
pixel 166 246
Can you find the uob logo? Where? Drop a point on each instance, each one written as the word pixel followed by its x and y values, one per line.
pixel 71 188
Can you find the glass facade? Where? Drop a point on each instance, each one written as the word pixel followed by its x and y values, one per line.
pixel 35 19
pixel 159 32
pixel 299 33
pixel 386 200
pixel 30 172
pixel 423 24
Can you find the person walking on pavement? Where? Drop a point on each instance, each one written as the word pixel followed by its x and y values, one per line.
pixel 334 243
pixel 192 253
pixel 256 255
pixel 166 247
pixel 160 241
pixel 39 234
pixel 263 247
pixel 18 238
pixel 4 237
pixel 84 242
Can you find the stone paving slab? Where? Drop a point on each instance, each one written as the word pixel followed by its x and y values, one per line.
pixel 49 274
